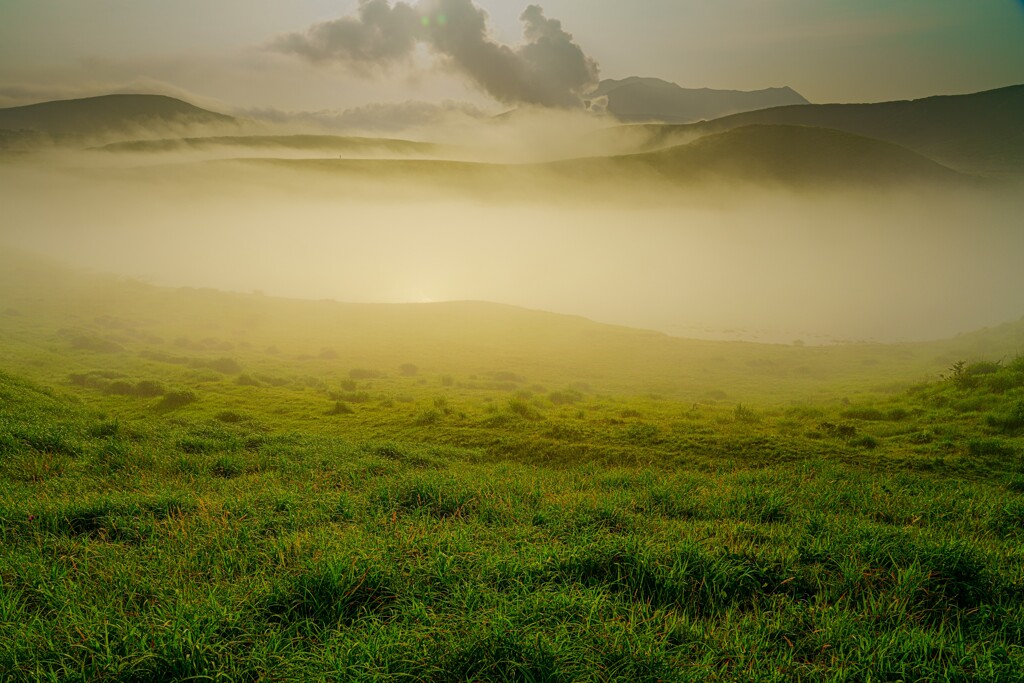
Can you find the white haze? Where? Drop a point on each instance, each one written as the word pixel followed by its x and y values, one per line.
pixel 734 262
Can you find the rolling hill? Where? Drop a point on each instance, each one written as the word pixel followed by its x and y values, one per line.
pixel 638 99
pixel 277 143
pixel 180 501
pixel 109 114
pixel 980 132
pixel 49 310
pixel 792 155
pixel 788 156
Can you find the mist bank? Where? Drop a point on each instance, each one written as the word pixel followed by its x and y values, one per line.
pixel 94 320
pixel 740 260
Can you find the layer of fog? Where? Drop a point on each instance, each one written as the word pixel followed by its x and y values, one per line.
pixel 746 263
pixel 523 135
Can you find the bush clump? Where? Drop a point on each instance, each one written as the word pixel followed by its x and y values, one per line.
pixel 334 593
pixel 340 408
pixel 143 389
pixel 1009 422
pixel 119 388
pixel 227 467
pixel 964 375
pixel 838 431
pixel 178 399
pixel 745 414
pixel 247 380
pixel 148 388
pixel 227 366
pixel 983 447
pixel 430 416
pixel 865 441
pixel 518 405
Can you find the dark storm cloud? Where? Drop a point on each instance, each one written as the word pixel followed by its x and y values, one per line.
pixel 549 69
pixel 377 36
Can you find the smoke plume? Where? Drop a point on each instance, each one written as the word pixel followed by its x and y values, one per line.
pixel 548 69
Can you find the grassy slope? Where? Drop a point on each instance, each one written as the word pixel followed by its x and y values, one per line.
pixel 48 309
pixel 197 506
pixel 107 113
pixel 797 157
pixel 980 132
pixel 794 155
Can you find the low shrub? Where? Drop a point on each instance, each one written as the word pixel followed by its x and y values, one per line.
pixel 228 467
pixel 340 408
pixel 1009 422
pixel 334 593
pixel 229 417
pixel 148 388
pixel 742 413
pixel 178 399
pixel 865 441
pixel 521 407
pixel 838 431
pixel 227 366
pixel 983 447
pixel 643 433
pixel 428 417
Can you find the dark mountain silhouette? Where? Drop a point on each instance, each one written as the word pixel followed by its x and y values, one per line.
pixel 637 99
pixel 980 132
pixel 108 114
pixel 794 155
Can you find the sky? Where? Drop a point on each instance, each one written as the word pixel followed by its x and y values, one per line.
pixel 229 53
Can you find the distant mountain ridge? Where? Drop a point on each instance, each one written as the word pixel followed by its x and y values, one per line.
pixel 637 99
pixel 979 132
pixel 108 114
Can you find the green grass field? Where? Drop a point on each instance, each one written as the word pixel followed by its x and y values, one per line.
pixel 206 486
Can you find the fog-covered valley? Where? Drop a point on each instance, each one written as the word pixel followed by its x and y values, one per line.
pixel 721 257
